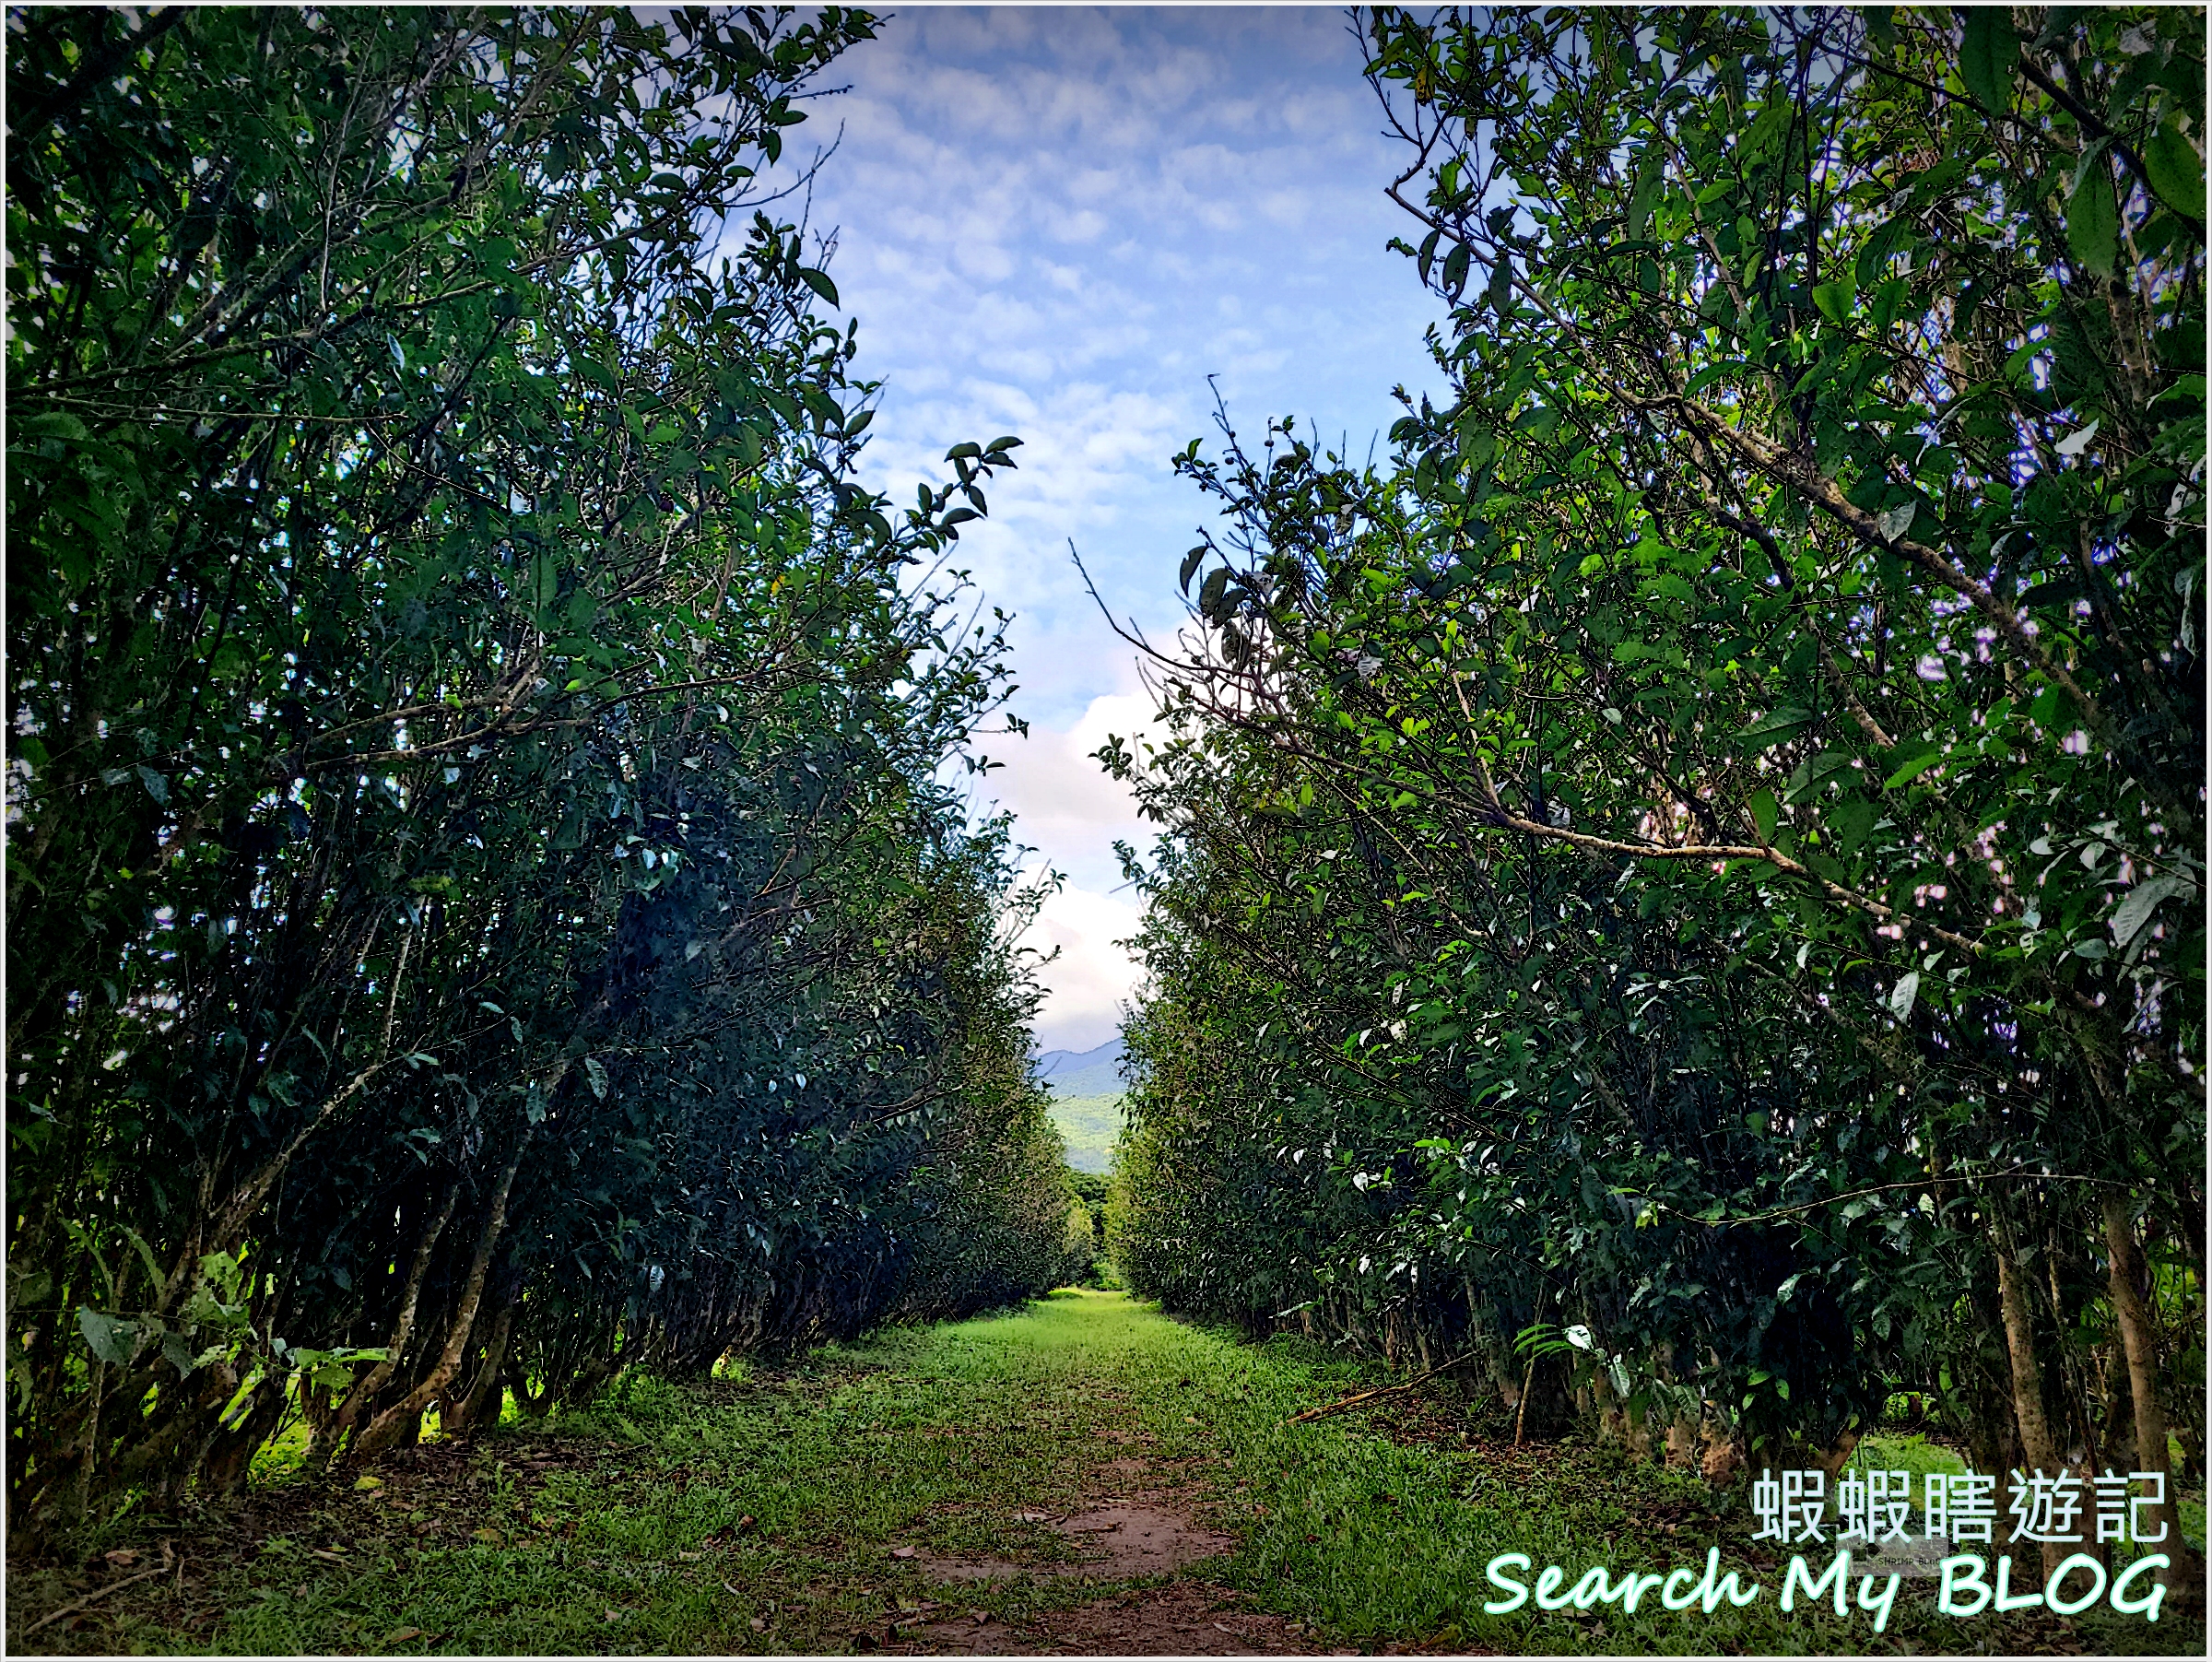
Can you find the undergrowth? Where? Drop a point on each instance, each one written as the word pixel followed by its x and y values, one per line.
pixel 764 1510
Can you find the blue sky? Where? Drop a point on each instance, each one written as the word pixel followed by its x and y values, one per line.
pixel 1058 223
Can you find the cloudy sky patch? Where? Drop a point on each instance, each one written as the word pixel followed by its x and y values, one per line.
pixel 1058 224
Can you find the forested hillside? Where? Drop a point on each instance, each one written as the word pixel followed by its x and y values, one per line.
pixel 1683 886
pixel 482 908
pixel 1086 1088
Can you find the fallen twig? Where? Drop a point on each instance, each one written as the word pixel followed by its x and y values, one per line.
pixel 114 1586
pixel 1354 1400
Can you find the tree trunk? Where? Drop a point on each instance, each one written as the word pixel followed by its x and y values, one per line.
pixel 2138 1338
pixel 2119 1430
pixel 1980 1397
pixel 389 1427
pixel 461 1417
pixel 323 1439
pixel 2036 1443
pixel 228 1460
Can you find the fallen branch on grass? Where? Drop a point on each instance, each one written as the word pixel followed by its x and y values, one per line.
pixel 114 1586
pixel 1354 1400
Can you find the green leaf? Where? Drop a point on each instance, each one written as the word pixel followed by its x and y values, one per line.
pixel 1764 811
pixel 2177 171
pixel 145 1255
pixel 1211 590
pixel 2134 913
pixel 1501 291
pixel 2093 222
pixel 238 1398
pixel 1848 821
pixel 1773 121
pixel 109 1336
pixel 1835 299
pixel 819 282
pixel 52 424
pixel 1903 993
pixel 1987 55
pixel 1778 726
pixel 1711 373
pixel 1455 268
pixel 1913 769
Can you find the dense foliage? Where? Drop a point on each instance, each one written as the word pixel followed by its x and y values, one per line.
pixel 1687 883
pixel 482 908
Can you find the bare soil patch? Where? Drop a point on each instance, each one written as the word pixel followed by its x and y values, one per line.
pixel 1119 1539
pixel 1132 1537
pixel 1130 1534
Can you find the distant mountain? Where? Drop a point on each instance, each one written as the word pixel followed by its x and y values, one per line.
pixel 1089 1125
pixel 1087 1101
pixel 1083 1073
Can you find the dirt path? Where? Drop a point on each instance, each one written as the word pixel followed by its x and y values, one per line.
pixel 1124 1537
pixel 1182 1618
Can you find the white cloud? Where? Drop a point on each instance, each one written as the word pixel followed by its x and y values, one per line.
pixel 1067 805
pixel 1091 978
pixel 1072 812
pixel 1082 225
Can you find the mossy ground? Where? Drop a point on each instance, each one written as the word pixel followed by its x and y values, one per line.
pixel 766 1513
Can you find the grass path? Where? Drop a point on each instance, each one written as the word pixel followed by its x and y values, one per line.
pixel 956 1489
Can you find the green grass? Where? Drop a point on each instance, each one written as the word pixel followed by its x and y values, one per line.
pixel 1089 1125
pixel 674 1518
pixel 1907 1452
